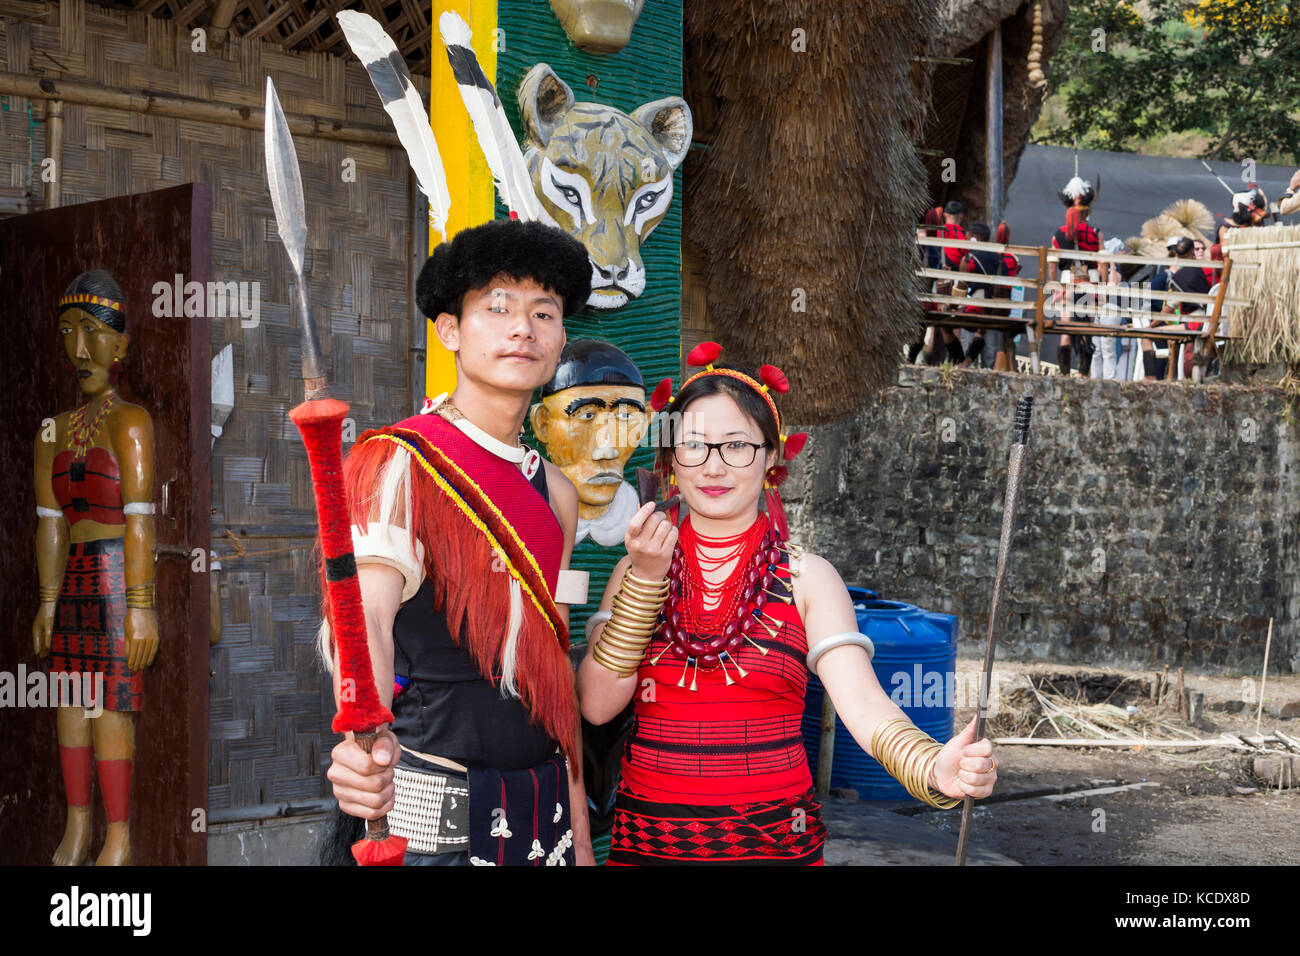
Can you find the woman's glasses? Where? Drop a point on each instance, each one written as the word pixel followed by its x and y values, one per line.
pixel 737 454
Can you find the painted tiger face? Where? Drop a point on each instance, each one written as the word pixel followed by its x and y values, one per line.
pixel 602 175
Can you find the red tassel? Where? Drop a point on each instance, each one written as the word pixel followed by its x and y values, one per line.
pixel 774 379
pixel 776 513
pixel 389 851
pixel 706 353
pixel 794 444
pixel 777 476
pixel 660 396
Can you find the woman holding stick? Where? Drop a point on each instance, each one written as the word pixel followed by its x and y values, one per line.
pixel 712 628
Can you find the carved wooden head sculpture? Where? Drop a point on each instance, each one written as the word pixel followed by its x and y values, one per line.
pixel 602 175
pixel 598 26
pixel 92 324
pixel 591 418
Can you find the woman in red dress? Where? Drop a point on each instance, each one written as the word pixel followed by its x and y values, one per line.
pixel 711 629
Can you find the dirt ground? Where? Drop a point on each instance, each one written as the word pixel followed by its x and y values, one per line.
pixel 1208 807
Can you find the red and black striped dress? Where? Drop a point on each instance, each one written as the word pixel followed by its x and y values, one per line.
pixel 718 774
pixel 89 634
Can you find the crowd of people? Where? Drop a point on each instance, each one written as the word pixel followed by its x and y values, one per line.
pixel 1136 294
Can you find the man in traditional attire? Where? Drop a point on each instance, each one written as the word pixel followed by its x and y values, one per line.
pixel 462 537
pixel 1077 233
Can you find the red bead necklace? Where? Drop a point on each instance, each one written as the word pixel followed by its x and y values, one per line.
pixel 705 624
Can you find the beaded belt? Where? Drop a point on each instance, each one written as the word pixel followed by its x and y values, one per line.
pixel 431 810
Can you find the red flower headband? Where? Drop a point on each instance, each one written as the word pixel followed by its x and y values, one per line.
pixel 705 354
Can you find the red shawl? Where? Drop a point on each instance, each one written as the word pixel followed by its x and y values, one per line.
pixel 482 524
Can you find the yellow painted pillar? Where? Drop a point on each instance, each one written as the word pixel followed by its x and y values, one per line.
pixel 469 181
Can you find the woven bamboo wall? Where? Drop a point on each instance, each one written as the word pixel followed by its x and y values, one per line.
pixel 270 707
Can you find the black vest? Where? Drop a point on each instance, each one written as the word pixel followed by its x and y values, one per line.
pixel 449 710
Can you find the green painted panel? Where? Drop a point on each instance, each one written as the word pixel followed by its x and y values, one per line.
pixel 647 328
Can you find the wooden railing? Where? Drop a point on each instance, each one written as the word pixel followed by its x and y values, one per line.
pixel 1048 307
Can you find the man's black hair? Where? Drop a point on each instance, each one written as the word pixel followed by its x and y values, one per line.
pixel 953 208
pixel 1184 248
pixel 518 250
pixel 979 231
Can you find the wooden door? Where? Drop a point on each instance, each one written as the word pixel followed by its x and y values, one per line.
pixel 142 240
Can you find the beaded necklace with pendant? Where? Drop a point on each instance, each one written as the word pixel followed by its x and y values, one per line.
pixel 709 638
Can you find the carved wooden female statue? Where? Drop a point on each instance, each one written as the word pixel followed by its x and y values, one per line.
pixel 95 558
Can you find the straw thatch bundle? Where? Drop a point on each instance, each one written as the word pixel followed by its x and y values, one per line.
pixel 810 184
pixel 1183 217
pixel 1270 325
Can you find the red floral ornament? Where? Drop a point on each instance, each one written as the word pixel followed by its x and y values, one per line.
pixel 662 395
pixel 774 379
pixel 794 444
pixel 704 354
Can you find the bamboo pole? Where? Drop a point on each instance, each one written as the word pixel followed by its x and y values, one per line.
pixel 170 105
pixel 54 151
pixel 1263 678
pixel 826 744
pixel 1036 336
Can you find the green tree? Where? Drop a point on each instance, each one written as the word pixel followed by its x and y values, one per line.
pixel 1229 69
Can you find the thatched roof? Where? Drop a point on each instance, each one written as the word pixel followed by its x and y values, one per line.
pixel 808 183
pixel 298 24
pixel 956 120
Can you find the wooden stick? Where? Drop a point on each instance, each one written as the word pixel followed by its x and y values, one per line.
pixel 1263 679
pixel 171 105
pixel 1015 474
pixel 1182 695
pixel 1224 741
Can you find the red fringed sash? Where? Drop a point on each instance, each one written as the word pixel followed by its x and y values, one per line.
pixel 482 524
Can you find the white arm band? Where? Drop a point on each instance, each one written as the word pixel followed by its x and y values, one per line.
pixel 138 508
pixel 839 640
pixel 571 586
pixel 390 545
pixel 48 512
pixel 597 619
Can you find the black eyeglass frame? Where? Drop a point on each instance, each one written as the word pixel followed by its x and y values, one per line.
pixel 710 446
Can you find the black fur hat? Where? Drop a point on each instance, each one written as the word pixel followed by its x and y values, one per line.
pixel 520 250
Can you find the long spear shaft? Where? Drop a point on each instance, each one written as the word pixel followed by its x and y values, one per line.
pixel 320 420
pixel 1015 474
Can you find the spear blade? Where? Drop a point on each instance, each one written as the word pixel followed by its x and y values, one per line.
pixel 284 181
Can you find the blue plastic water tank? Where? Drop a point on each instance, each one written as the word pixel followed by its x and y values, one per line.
pixel 916 664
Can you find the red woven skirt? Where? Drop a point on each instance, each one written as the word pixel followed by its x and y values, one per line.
pixel 89 622
pixel 786 832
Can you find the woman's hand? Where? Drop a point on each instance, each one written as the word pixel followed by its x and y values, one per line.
pixel 43 628
pixel 650 540
pixel 141 637
pixel 965 766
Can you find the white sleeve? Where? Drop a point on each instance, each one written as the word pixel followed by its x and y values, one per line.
pixel 391 545
pixel 385 539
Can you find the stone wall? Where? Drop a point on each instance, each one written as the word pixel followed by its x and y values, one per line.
pixel 1158 525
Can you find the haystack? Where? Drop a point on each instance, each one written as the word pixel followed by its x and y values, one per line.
pixel 805 203
pixel 1271 323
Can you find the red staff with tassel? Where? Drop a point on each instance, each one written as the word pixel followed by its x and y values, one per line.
pixel 320 420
